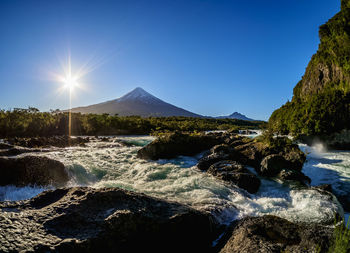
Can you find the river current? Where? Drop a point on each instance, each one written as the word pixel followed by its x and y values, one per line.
pixel 114 164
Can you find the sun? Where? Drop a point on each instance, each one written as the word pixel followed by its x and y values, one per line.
pixel 70 82
pixel 69 79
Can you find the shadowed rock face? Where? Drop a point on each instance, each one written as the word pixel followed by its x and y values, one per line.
pixel 32 170
pixel 270 234
pixel 102 220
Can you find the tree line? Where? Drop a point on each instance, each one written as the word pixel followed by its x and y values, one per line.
pixel 31 122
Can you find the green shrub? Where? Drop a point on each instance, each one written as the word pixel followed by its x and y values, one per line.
pixel 276 142
pixel 341 241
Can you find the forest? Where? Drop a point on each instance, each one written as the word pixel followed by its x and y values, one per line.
pixel 31 122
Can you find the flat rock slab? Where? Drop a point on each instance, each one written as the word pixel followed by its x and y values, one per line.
pixel 84 219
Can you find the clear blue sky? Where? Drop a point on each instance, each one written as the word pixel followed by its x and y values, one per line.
pixel 210 57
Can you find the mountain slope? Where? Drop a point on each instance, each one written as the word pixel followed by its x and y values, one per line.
pixel 235 115
pixel 321 100
pixel 137 102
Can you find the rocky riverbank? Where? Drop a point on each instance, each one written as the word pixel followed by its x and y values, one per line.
pixel 83 219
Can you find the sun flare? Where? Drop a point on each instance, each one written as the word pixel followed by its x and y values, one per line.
pixel 70 82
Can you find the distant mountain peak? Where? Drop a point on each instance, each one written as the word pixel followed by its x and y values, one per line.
pixel 236 115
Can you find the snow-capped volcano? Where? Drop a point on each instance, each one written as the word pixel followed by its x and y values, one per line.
pixel 137 102
pixel 139 94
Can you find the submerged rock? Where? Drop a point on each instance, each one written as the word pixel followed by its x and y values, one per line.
pixel 32 170
pixel 236 174
pixel 19 150
pixel 102 220
pixel 270 234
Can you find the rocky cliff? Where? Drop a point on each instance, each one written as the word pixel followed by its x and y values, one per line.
pixel 321 100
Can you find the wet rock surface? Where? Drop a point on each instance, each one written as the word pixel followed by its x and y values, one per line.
pixel 270 234
pixel 102 220
pixel 32 170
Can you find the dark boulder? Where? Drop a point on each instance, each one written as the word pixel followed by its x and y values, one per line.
pixel 236 174
pixel 324 187
pixel 103 220
pixel 19 150
pixel 174 144
pixel 253 152
pixel 294 156
pixel 5 146
pixel 221 148
pixel 105 139
pixel 218 153
pixel 32 170
pixel 236 142
pixel 270 234
pixel 276 165
pixel 271 165
pixel 293 175
pixel 205 162
pixel 224 149
pixel 53 141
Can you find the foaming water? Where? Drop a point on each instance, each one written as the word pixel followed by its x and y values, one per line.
pixel 114 163
pixel 11 192
pixel 328 167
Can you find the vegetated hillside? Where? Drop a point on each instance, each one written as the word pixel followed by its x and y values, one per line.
pixel 321 100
